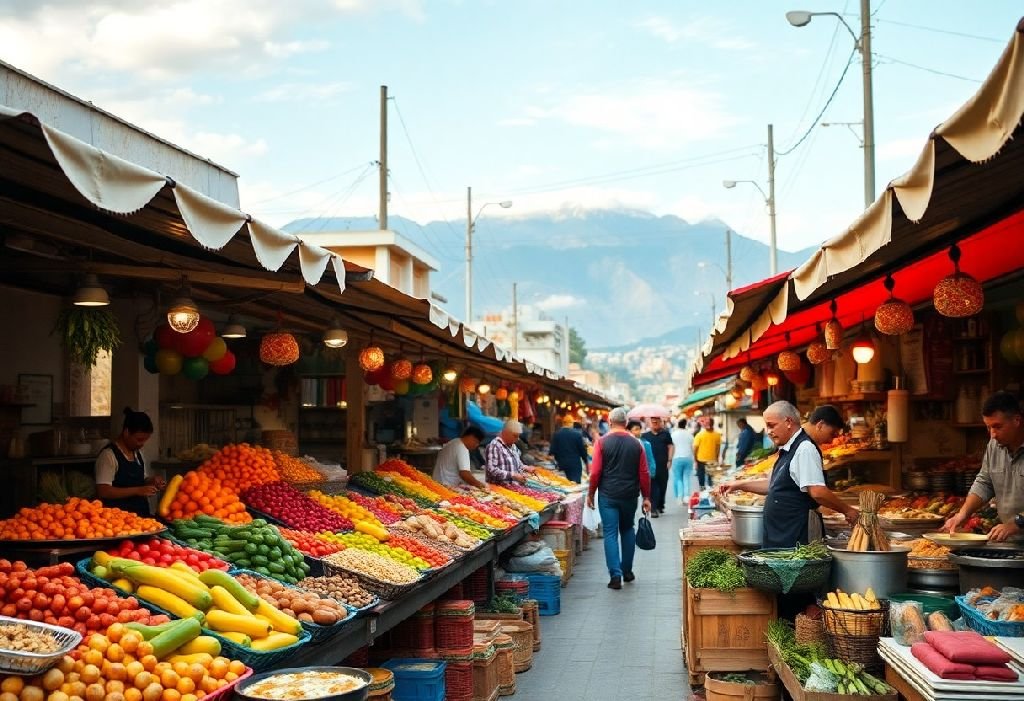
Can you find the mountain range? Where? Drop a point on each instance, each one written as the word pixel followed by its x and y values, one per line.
pixel 621 277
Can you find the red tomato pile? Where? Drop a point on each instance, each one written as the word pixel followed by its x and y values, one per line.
pixel 164 553
pixel 53 595
pixel 309 544
pixel 384 512
pixel 436 558
pixel 287 504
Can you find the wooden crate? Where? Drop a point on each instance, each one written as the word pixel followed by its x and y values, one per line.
pixel 798 693
pixel 725 632
pixel 689 546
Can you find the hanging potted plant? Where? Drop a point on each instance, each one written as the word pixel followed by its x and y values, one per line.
pixel 85 331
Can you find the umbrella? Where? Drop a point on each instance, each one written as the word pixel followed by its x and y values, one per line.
pixel 647 411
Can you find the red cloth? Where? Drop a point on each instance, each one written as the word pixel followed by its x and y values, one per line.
pixel 995 673
pixel 966 646
pixel 934 660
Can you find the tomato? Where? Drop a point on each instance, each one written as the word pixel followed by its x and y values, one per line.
pixel 166 559
pixel 93 622
pixel 133 555
pixel 66 621
pixel 192 558
pixel 82 614
pixel 41 601
pixel 107 620
pixel 35 615
pixel 142 548
pixel 24 604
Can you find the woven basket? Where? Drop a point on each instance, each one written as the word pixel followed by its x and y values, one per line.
pixel 485 673
pixel 809 630
pixel 416 632
pixel 531 614
pixel 488 627
pixel 852 648
pixel 521 633
pixel 856 623
pixel 811 575
pixel 505 647
pixel 453 627
pixel 491 616
pixel 385 590
pixel 458 680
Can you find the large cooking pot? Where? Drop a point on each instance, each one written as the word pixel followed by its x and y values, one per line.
pixel 997 567
pixel 359 694
pixel 747 525
pixel 944 580
pixel 885 571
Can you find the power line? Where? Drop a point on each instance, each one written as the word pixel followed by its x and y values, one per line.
pixel 336 200
pixel 926 69
pixel 427 238
pixel 937 30
pixel 307 187
pixel 828 102
pixel 821 74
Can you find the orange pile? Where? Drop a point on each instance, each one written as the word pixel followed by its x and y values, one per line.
pixel 74 519
pixel 200 493
pixel 240 466
pixel 295 470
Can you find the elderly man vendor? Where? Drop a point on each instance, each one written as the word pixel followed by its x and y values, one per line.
pixel 504 461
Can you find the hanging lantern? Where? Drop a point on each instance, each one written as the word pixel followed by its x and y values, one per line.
pixel 759 383
pixel 279 348
pixel 371 358
pixel 483 388
pixel 747 373
pixel 772 378
pixel 863 348
pixel 894 316
pixel 422 374
pixel 467 385
pixel 788 361
pixel 501 394
pixel 450 374
pixel 833 331
pixel 818 353
pixel 401 369
pixel 183 314
pixel 958 295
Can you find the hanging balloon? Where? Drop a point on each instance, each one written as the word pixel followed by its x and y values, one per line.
pixel 168 361
pixel 402 387
pixel 799 376
pixel 224 364
pixel 279 348
pixel 377 376
pixel 501 394
pixel 401 369
pixel 216 350
pixel 195 368
pixel 387 383
pixel 467 385
pixel 166 337
pixel 149 362
pixel 193 343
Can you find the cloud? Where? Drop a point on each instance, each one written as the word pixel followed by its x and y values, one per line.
pixel 652 113
pixel 703 30
pixel 517 122
pixel 303 92
pixel 290 48
pixel 559 301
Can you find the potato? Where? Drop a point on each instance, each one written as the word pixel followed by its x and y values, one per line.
pixel 325 617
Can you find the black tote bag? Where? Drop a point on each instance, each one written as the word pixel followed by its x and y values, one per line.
pixel 645 534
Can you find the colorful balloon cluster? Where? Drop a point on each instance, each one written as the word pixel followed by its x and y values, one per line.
pixel 384 378
pixel 194 354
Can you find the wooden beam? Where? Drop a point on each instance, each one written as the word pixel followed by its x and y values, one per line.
pixel 355 416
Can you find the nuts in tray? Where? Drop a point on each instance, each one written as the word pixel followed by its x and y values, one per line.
pixel 378 567
pixel 926 555
pixel 17 637
pixel 307 606
pixel 342 587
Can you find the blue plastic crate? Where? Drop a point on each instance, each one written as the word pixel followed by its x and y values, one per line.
pixel 548 605
pixel 417 679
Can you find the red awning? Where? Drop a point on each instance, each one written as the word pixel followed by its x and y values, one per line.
pixel 990 254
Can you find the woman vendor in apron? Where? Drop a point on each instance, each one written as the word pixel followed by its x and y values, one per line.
pixel 121 479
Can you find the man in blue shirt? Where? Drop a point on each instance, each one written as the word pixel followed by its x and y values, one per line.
pixel 569 450
pixel 745 442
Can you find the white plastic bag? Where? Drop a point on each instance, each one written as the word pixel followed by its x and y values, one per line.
pixel 591 519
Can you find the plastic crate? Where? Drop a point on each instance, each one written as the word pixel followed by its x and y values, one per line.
pixel 417 679
pixel 976 620
pixel 546 589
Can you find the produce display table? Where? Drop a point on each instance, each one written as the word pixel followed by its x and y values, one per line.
pixel 897 682
pixel 798 693
pixel 364 630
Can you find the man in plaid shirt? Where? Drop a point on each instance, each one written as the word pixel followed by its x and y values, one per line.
pixel 504 462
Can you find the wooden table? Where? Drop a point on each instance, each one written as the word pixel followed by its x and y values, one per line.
pixel 897 682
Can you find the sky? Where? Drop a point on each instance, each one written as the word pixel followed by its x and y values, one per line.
pixel 557 105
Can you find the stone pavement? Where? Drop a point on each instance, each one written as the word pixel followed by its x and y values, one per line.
pixel 607 645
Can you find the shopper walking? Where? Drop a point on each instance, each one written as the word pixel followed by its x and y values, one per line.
pixel 682 461
pixel 745 442
pixel 569 450
pixel 706 446
pixel 661 445
pixel 619 470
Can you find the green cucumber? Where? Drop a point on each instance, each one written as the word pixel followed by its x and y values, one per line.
pixel 150 632
pixel 243 562
pixel 169 640
pixel 276 567
pixel 212 578
pixel 261 560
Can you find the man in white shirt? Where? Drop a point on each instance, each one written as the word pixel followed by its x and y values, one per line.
pixel 452 468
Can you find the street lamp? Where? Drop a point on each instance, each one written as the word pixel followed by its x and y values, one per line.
pixel 801 18
pixel 470 226
pixel 769 199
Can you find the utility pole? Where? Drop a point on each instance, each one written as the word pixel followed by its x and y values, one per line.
pixel 773 253
pixel 869 103
pixel 382 216
pixel 515 319
pixel 469 255
pixel 728 260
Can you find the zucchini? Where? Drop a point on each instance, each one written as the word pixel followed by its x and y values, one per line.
pixel 149 632
pixel 219 578
pixel 276 567
pixel 166 642
pixel 260 560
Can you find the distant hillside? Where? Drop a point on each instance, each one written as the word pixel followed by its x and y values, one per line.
pixel 619 276
pixel 681 336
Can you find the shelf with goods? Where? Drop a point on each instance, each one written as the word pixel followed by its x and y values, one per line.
pixel 322 412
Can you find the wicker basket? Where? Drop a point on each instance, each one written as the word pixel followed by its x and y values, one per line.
pixel 486 626
pixel 505 648
pixel 852 648
pixel 453 627
pixel 458 680
pixel 810 575
pixel 385 590
pixel 857 623
pixel 531 614
pixel 521 633
pixel 809 630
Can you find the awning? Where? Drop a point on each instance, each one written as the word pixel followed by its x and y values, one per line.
pixel 966 180
pixel 755 301
pixel 702 395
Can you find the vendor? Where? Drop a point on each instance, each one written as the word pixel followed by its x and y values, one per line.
pixel 1002 470
pixel 568 449
pixel 796 486
pixel 504 460
pixel 454 465
pixel 121 478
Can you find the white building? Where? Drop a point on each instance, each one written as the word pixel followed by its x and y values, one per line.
pixel 539 338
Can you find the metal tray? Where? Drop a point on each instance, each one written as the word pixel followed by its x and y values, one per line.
pixel 64 543
pixel 29 663
pixel 355 695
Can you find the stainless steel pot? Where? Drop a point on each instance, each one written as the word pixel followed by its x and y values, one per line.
pixel 989 567
pixel 747 525
pixel 885 571
pixel 933 579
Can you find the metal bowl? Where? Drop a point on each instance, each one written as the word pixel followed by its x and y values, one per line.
pixel 359 694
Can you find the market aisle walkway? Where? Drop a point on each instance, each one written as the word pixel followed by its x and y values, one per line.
pixel 608 645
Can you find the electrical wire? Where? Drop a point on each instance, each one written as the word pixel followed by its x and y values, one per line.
pixel 937 30
pixel 818 81
pixel 814 122
pixel 431 244
pixel 307 187
pixel 926 69
pixel 332 203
